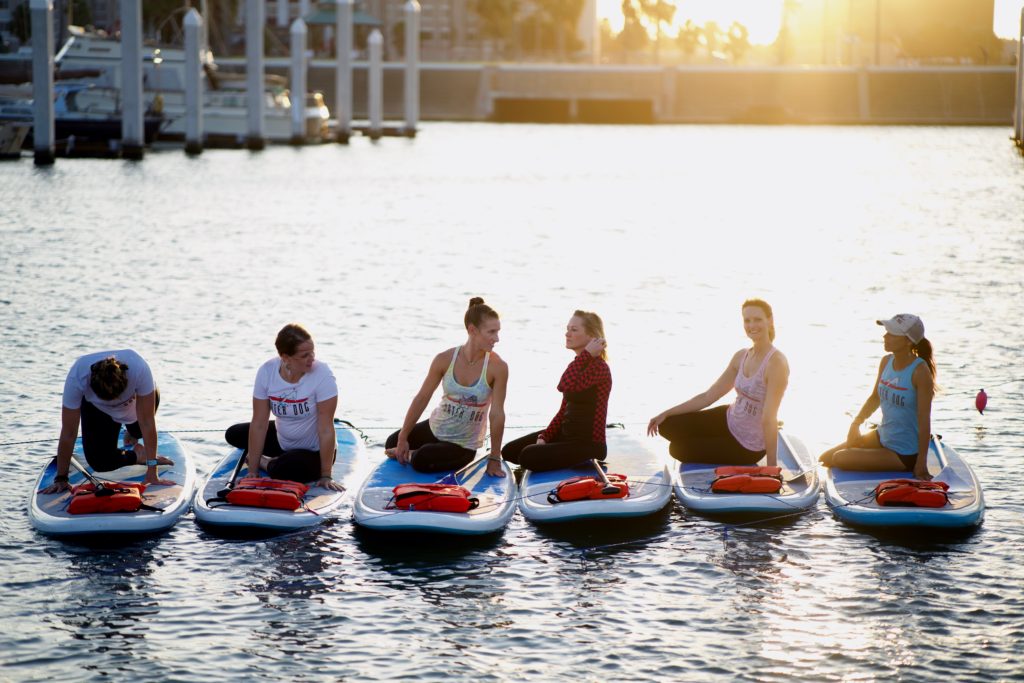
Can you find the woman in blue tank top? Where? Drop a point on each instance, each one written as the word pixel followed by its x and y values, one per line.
pixel 903 390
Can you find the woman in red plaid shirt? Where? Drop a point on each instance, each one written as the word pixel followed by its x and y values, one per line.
pixel 576 433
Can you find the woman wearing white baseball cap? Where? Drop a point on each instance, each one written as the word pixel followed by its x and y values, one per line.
pixel 903 389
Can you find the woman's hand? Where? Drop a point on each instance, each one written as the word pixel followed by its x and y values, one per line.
pixel 152 478
pixel 921 469
pixel 652 426
pixel 853 435
pixel 541 441
pixel 595 346
pixel 329 484
pixel 494 467
pixel 400 452
pixel 56 487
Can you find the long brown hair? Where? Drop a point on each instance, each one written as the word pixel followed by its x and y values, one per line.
pixel 593 326
pixel 923 350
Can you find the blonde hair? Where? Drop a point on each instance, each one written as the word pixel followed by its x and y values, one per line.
pixel 593 326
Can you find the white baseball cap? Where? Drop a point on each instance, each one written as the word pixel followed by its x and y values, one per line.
pixel 905 325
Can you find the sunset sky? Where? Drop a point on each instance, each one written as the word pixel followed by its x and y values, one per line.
pixel 762 17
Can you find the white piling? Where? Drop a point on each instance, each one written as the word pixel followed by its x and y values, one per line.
pixel 303 9
pixel 193 24
pixel 254 90
pixel 133 136
pixel 43 134
pixel 298 33
pixel 375 85
pixel 1018 108
pixel 282 13
pixel 343 73
pixel 412 67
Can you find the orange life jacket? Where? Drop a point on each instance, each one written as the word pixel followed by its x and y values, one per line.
pixel 433 497
pixel 912 493
pixel 267 493
pixel 747 479
pixel 115 496
pixel 589 488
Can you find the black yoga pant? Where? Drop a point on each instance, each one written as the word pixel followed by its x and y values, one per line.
pixel 296 464
pixel 99 438
pixel 429 454
pixel 704 436
pixel 526 452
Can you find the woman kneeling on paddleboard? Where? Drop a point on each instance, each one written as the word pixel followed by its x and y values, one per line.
pixel 576 433
pixel 903 388
pixel 745 431
pixel 104 391
pixel 300 391
pixel 471 388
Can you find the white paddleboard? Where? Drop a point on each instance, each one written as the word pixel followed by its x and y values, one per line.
pixel 497 495
pixel 318 503
pixel 850 494
pixel 650 488
pixel 48 512
pixel 800 490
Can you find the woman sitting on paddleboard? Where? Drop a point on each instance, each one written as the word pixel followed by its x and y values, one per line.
pixel 104 391
pixel 473 382
pixel 299 444
pixel 903 388
pixel 745 431
pixel 576 433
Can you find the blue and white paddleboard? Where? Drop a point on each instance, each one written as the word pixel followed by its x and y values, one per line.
pixel 800 488
pixel 318 503
pixel 373 509
pixel 650 488
pixel 850 494
pixel 49 514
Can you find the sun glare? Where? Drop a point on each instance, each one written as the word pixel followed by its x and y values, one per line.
pixel 761 17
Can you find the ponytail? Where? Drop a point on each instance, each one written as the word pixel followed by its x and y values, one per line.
pixel 923 350
pixel 477 312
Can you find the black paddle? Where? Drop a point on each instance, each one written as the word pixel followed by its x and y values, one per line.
pixel 609 488
pixel 101 489
pixel 234 477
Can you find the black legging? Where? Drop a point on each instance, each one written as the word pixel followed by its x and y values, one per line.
pixel 296 464
pixel 99 438
pixel 429 454
pixel 704 436
pixel 526 452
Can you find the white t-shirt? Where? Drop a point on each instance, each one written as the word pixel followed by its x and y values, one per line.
pixel 122 408
pixel 294 405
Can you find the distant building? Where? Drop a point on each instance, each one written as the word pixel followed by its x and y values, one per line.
pixel 859 32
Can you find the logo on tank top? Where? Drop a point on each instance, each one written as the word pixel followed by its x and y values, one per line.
pixel 889 392
pixel 288 405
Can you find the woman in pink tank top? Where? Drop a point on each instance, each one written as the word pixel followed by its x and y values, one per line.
pixel 747 430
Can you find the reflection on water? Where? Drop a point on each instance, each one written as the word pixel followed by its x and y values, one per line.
pixel 662 230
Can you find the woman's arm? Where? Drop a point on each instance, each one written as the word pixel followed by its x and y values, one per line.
pixel 69 418
pixel 419 403
pixel 499 388
pixel 925 385
pixel 869 407
pixel 720 388
pixel 145 410
pixel 776 380
pixel 258 433
pixel 328 442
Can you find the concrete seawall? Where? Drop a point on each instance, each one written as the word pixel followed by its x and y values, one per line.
pixel 622 94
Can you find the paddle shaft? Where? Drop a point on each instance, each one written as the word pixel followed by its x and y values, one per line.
pixel 609 487
pixel 234 477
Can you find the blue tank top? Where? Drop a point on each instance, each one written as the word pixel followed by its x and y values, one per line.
pixel 898 397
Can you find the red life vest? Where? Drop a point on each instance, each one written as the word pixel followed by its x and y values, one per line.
pixel 747 479
pixel 589 488
pixel 116 496
pixel 433 497
pixel 267 493
pixel 912 493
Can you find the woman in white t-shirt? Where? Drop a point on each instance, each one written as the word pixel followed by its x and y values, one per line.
pixel 299 444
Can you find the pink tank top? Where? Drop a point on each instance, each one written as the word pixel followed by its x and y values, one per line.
pixel 744 415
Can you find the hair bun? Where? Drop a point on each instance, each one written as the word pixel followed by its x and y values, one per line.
pixel 476 301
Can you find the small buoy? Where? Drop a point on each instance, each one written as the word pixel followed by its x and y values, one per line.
pixel 980 401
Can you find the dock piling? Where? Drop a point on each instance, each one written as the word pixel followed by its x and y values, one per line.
pixel 133 135
pixel 298 33
pixel 344 19
pixel 255 91
pixel 44 135
pixel 375 85
pixel 1018 102
pixel 193 83
pixel 412 67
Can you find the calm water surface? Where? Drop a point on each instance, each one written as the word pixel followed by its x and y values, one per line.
pixel 376 248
